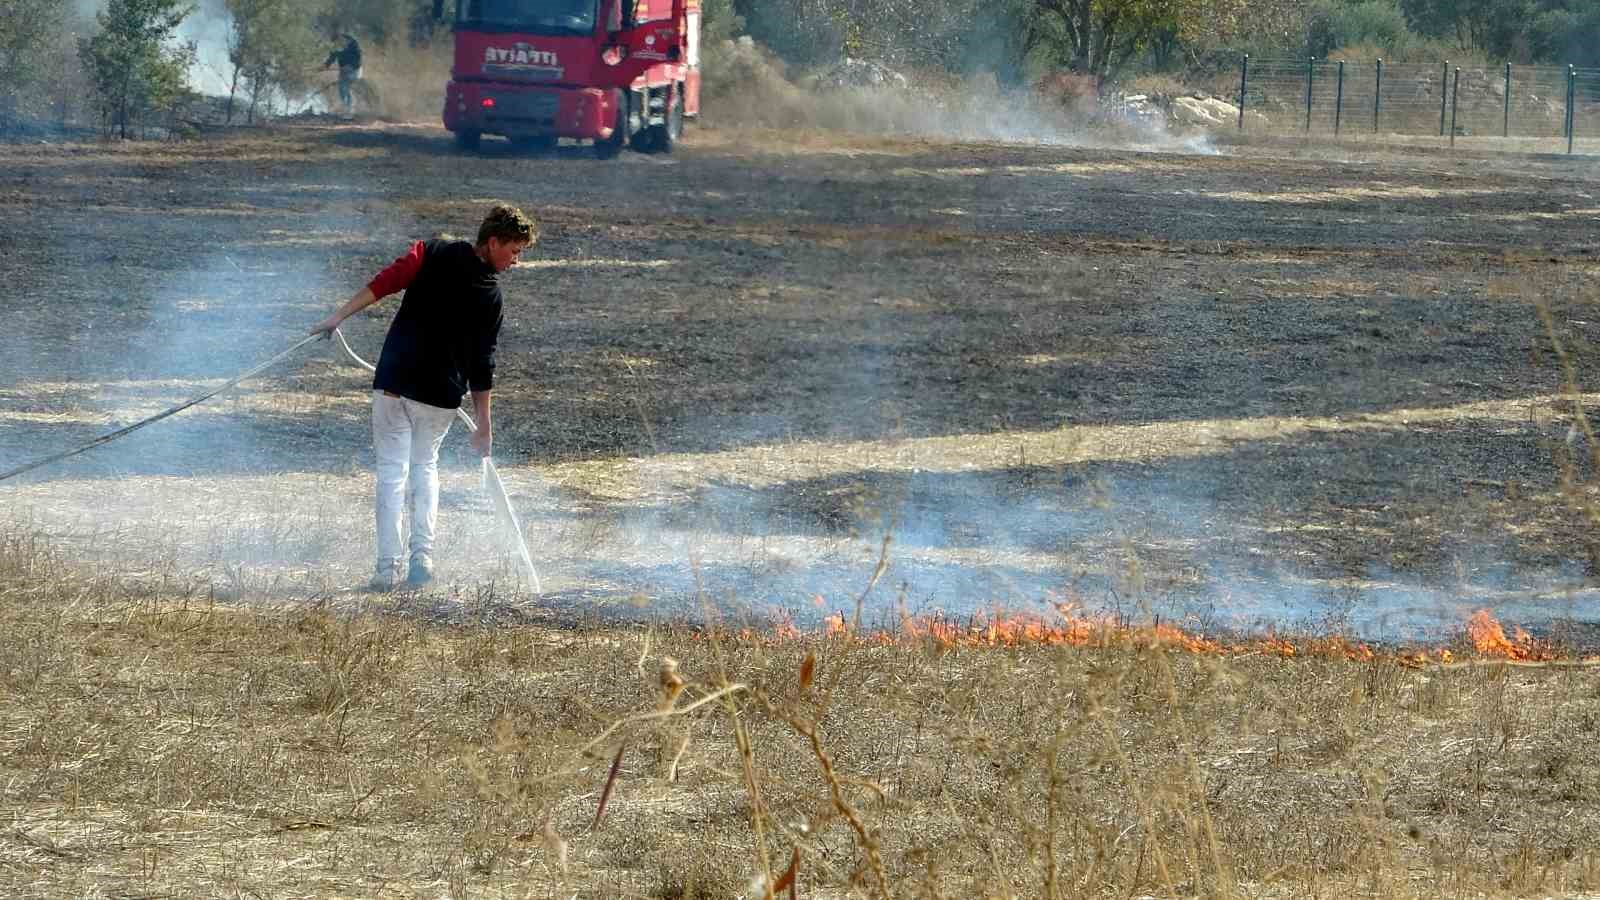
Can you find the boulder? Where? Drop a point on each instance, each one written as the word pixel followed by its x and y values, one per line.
pixel 1142 109
pixel 1207 112
pixel 860 73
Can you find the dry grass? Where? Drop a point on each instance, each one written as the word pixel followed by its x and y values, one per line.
pixel 166 745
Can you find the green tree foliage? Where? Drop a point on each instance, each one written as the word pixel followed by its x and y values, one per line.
pixel 1097 37
pixel 721 21
pixel 1100 37
pixel 27 28
pixel 802 32
pixel 997 40
pixel 1493 27
pixel 955 35
pixel 1565 31
pixel 380 21
pixel 1524 31
pixel 1335 24
pixel 134 64
pixel 273 46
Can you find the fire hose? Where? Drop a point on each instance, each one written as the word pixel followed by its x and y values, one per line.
pixel 491 476
pixel 491 482
pixel 123 432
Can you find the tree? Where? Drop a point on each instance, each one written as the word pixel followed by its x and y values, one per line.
pixel 272 46
pixel 721 21
pixel 955 35
pixel 1097 37
pixel 1335 24
pixel 1566 31
pixel 27 28
pixel 802 32
pixel 134 64
pixel 386 22
pixel 1493 27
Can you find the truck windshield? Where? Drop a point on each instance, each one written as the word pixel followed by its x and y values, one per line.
pixel 536 16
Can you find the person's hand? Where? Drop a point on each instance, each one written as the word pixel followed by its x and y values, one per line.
pixel 482 441
pixel 326 326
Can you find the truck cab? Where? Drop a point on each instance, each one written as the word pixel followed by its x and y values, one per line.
pixel 614 72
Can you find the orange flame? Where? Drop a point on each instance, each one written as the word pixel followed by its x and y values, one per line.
pixel 1071 628
pixel 1489 639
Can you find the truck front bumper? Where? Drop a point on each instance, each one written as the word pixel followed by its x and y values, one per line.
pixel 517 110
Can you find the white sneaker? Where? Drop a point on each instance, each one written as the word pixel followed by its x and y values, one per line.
pixel 386 578
pixel 421 570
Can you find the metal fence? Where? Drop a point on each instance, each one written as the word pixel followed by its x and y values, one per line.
pixel 1282 96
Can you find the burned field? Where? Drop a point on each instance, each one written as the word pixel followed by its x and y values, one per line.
pixel 1325 393
pixel 1277 390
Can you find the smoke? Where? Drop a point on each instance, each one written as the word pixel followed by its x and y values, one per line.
pixel 264 491
pixel 208 29
pixel 1128 544
pixel 747 86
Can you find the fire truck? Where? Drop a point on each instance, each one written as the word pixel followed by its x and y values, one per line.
pixel 615 72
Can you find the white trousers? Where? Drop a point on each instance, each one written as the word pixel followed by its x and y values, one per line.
pixel 407 436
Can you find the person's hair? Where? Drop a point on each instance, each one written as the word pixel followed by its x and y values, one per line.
pixel 508 224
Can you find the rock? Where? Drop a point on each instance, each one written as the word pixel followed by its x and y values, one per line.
pixel 861 73
pixel 1210 112
pixel 1204 113
pixel 1141 110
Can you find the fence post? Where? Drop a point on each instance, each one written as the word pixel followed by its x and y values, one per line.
pixel 1244 77
pixel 1444 94
pixel 1566 110
pixel 1311 62
pixel 1455 101
pixel 1505 127
pixel 1377 98
pixel 1338 102
pixel 1572 105
pixel 1566 107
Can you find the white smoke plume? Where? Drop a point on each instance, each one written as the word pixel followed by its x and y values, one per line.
pixel 207 29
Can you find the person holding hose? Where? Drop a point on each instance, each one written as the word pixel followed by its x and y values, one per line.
pixel 440 346
pixel 348 58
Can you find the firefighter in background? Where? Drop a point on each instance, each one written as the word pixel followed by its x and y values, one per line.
pixel 348 58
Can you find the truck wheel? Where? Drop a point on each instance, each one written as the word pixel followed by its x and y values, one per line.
pixel 608 148
pixel 666 136
pixel 643 140
pixel 468 140
pixel 639 136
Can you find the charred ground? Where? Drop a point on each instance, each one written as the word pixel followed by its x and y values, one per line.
pixel 1262 368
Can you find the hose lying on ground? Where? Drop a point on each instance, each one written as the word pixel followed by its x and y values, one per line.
pixel 121 432
pixel 491 477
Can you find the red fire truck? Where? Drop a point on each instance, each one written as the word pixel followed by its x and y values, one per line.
pixel 615 72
